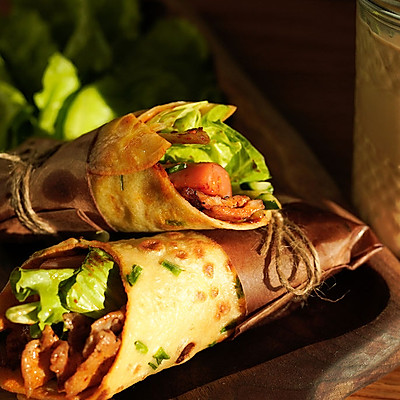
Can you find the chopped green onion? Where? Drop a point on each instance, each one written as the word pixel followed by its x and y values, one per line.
pixel 153 365
pixel 160 356
pixel 175 269
pixel 176 168
pixel 174 222
pixel 229 327
pixel 239 288
pixel 141 347
pixel 262 190
pixel 133 276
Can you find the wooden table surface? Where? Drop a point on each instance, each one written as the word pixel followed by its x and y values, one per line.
pixel 300 54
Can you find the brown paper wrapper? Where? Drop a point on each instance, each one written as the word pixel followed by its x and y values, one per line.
pixel 58 189
pixel 340 243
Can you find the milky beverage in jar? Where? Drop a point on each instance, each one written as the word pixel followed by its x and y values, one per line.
pixel 376 161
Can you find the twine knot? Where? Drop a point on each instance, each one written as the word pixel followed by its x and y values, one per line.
pixel 285 239
pixel 21 171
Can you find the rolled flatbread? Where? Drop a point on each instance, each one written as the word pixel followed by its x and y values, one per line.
pixel 179 293
pixel 117 178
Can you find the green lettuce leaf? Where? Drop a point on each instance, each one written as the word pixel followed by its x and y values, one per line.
pixel 87 47
pixel 170 62
pixel 85 292
pixel 88 109
pixel 94 289
pixel 227 147
pixel 44 282
pixel 60 80
pixel 13 105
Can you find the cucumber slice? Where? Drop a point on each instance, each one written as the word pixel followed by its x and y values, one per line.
pixel 270 201
pixel 263 186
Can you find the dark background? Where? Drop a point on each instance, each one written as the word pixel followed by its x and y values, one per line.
pixel 300 54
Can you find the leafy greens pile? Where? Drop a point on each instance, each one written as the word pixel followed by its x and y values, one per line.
pixel 68 66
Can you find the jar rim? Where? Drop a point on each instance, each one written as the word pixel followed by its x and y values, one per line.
pixel 385 6
pixel 388 10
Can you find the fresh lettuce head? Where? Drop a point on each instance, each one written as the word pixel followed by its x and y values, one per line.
pixel 15 110
pixel 94 289
pixel 76 64
pixel 60 80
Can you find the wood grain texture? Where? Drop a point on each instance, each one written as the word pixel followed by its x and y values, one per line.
pixel 387 388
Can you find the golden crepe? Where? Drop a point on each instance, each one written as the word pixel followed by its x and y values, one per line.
pixel 117 177
pixel 182 292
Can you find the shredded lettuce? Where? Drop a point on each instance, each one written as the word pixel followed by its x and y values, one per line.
pixel 227 147
pixel 94 289
pixel 45 282
pixel 94 274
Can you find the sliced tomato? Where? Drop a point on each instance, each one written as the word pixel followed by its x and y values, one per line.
pixel 210 178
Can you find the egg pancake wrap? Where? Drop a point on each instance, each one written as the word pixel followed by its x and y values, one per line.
pixel 176 294
pixel 117 177
pixel 184 299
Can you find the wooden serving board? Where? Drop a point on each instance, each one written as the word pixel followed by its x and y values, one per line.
pixel 344 338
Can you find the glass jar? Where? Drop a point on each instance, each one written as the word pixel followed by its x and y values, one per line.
pixel 376 159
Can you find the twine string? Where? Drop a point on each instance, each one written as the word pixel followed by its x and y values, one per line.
pixel 284 239
pixel 20 201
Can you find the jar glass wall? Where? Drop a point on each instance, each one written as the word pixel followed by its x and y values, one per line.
pixel 376 160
